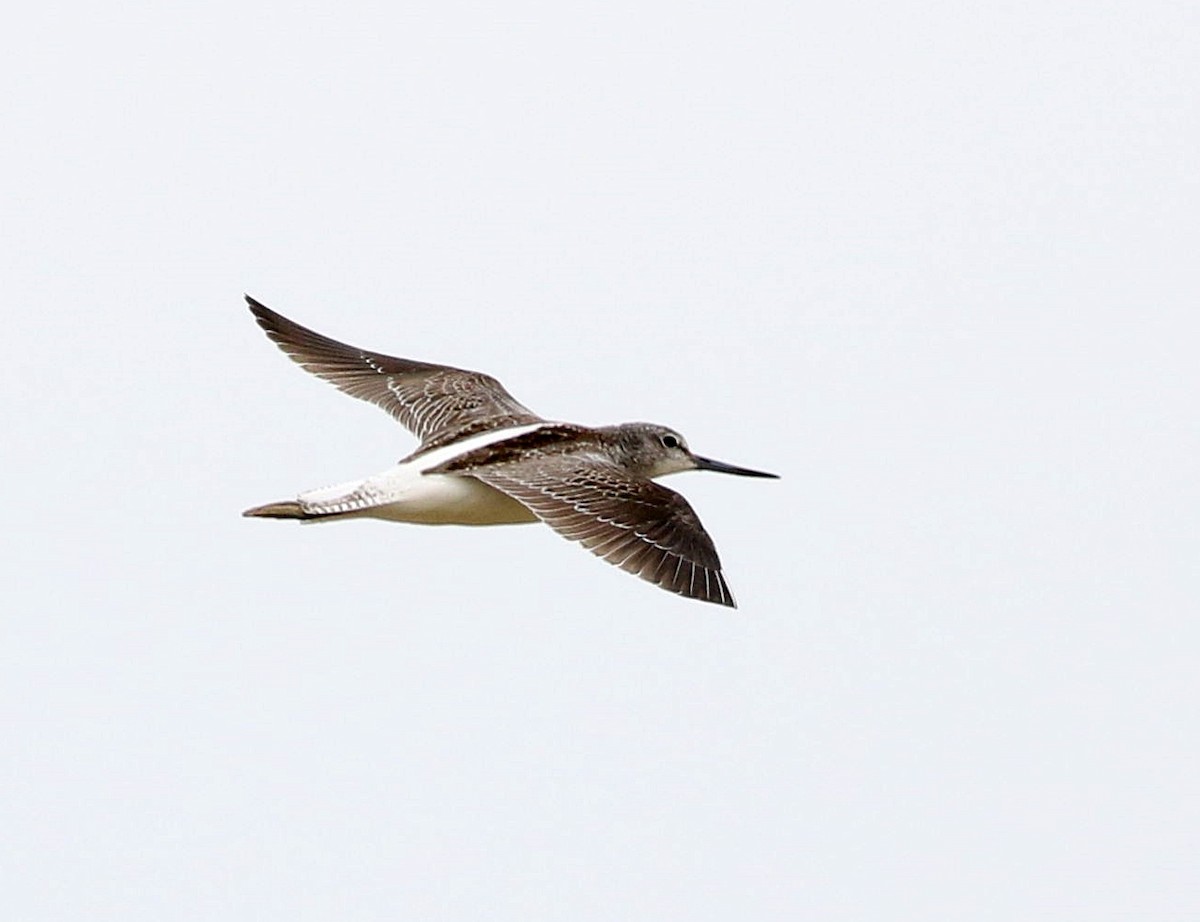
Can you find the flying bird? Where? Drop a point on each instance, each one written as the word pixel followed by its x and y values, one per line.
pixel 485 459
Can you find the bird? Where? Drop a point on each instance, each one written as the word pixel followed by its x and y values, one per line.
pixel 486 459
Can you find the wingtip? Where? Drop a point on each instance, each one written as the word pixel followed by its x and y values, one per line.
pixel 725 601
pixel 727 598
pixel 270 321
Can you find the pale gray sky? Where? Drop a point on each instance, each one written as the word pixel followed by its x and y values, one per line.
pixel 934 263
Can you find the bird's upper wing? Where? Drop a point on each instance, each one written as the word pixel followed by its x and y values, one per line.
pixel 631 522
pixel 437 403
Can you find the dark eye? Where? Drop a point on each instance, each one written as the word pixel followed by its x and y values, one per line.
pixel 670 441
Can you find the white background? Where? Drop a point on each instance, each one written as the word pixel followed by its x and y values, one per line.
pixel 935 263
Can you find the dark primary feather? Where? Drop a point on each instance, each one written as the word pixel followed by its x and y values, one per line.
pixel 439 404
pixel 631 522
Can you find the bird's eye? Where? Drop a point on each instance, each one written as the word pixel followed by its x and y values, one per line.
pixel 670 441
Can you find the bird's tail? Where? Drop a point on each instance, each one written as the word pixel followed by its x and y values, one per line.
pixel 288 509
pixel 341 501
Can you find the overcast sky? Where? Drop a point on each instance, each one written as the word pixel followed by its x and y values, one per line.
pixel 934 263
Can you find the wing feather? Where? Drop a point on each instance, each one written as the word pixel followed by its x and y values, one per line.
pixel 437 403
pixel 633 523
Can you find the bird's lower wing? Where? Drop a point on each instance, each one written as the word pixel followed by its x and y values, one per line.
pixel 634 523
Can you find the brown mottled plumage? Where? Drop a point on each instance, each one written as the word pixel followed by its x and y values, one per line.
pixel 486 459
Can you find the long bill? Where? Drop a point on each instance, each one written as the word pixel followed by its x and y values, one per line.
pixel 708 464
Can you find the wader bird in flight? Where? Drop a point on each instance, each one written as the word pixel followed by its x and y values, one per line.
pixel 485 459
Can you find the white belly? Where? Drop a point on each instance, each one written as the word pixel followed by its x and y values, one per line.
pixel 406 494
pixel 443 499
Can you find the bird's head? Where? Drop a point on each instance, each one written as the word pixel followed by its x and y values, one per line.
pixel 655 451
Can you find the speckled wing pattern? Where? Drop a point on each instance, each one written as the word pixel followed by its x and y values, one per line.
pixel 439 404
pixel 631 522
